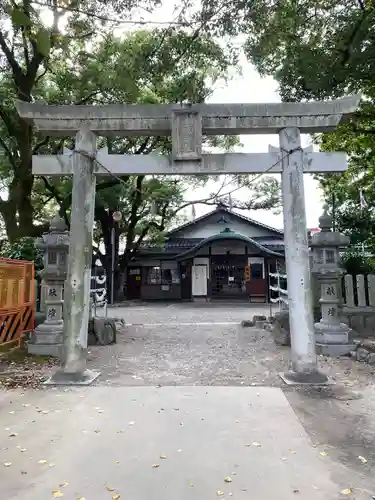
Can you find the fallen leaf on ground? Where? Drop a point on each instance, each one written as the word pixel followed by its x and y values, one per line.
pixel 11 412
pixel 116 496
pixel 247 445
pixel 22 450
pixel 120 431
pixel 13 434
pixel 219 493
pixel 45 412
pixel 191 484
pixel 257 445
pixel 26 405
pixel 57 493
pixel 155 466
pixel 42 462
pixel 7 464
pixel 117 461
pixel 110 489
pixel 323 454
pixel 228 479
pixel 23 472
pixel 64 484
pixel 362 459
pixel 347 491
pixel 163 457
pixel 293 452
pixel 97 431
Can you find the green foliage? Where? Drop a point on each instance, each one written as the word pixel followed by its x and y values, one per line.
pixel 36 40
pixel 314 49
pixel 319 50
pixel 23 249
pixel 355 261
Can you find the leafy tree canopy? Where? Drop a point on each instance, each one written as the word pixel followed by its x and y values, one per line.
pixel 319 50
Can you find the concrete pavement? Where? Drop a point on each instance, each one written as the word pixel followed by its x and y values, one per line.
pixel 162 444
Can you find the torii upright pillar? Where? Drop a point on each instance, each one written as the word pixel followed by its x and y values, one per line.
pixel 186 127
pixel 301 317
pixel 77 286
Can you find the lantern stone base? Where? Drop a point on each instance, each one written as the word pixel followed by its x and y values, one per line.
pixel 333 340
pixel 46 340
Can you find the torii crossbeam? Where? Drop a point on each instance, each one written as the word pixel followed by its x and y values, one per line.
pixel 186 125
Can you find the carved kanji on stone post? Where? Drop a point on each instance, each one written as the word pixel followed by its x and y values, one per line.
pixel 47 338
pixel 332 337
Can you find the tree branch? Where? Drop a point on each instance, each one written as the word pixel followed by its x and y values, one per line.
pixel 136 202
pixel 5 115
pixel 8 152
pixel 16 69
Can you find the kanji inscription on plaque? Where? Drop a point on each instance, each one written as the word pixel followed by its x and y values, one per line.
pixel 186 135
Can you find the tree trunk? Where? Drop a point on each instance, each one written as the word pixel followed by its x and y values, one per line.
pixel 17 210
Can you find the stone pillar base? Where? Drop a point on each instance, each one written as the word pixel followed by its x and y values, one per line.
pixel 333 340
pixel 54 350
pixel 72 378
pixel 335 350
pixel 46 340
pixel 309 378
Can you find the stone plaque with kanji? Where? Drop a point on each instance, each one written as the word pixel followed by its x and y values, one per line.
pixel 186 135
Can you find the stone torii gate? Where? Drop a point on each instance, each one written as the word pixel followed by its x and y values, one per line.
pixel 186 125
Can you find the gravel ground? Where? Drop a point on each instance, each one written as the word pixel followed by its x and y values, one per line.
pixel 204 344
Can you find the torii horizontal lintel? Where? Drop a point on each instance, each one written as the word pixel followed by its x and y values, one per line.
pixel 217 119
pixel 214 164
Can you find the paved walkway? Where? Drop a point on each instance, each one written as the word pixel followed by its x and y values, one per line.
pixel 161 444
pixel 160 425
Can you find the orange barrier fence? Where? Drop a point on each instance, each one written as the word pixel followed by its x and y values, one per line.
pixel 17 301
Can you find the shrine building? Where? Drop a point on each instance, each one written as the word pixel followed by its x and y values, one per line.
pixel 221 255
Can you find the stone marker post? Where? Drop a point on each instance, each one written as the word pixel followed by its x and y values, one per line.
pixel 304 363
pixel 332 336
pixel 47 338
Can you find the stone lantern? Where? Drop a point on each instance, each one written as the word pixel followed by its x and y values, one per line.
pixel 332 337
pixel 47 338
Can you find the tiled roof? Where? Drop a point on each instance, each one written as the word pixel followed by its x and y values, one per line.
pixel 223 210
pixel 175 245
